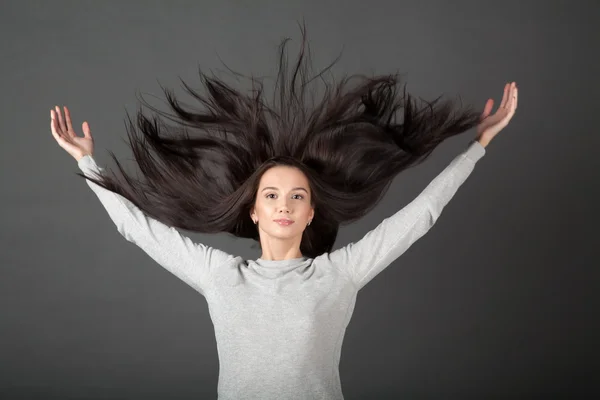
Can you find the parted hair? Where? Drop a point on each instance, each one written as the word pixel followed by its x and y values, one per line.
pixel 201 165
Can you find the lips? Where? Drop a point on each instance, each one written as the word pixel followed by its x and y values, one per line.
pixel 284 221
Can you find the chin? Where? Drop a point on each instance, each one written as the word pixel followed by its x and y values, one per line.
pixel 285 233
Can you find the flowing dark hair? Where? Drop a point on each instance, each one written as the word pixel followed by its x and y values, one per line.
pixel 205 171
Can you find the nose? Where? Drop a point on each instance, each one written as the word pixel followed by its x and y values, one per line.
pixel 284 208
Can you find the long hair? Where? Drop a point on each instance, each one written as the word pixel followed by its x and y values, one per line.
pixel 204 171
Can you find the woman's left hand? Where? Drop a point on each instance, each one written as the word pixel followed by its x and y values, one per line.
pixel 491 125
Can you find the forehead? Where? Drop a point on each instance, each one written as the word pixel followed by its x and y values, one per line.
pixel 283 176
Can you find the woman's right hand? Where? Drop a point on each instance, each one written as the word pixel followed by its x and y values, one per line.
pixel 63 132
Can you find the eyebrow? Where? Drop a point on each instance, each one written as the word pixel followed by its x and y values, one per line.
pixel 274 188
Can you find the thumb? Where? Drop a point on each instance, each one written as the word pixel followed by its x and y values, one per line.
pixel 487 109
pixel 86 130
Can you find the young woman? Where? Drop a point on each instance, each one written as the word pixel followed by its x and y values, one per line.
pixel 285 175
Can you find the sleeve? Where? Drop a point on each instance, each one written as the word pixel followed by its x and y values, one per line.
pixel 191 262
pixel 369 256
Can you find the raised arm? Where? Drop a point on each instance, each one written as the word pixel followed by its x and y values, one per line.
pixel 191 262
pixel 369 256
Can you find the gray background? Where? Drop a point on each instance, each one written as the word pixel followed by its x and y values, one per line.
pixel 496 301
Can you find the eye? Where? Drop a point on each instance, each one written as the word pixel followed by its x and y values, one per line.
pixel 267 196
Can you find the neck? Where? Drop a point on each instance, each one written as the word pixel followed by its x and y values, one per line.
pixel 273 256
pixel 280 249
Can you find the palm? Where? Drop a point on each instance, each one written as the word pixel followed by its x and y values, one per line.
pixel 83 143
pixel 65 135
pixel 490 125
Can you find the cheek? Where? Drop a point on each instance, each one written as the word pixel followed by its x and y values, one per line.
pixel 263 208
pixel 307 211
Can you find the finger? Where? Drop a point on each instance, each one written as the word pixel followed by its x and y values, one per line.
pixel 505 96
pixel 487 109
pixel 61 121
pixel 59 139
pixel 86 130
pixel 516 97
pixel 513 93
pixel 54 125
pixel 488 106
pixel 511 100
pixel 68 118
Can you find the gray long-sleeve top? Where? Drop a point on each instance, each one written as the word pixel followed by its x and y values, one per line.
pixel 279 325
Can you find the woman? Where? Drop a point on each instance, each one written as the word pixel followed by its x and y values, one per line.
pixel 287 177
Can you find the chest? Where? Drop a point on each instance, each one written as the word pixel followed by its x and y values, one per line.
pixel 299 303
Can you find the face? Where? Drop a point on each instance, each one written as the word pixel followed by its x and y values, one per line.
pixel 283 192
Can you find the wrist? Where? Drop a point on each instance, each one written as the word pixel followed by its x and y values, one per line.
pixel 483 142
pixel 80 156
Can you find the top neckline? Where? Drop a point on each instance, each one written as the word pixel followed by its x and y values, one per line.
pixel 280 263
